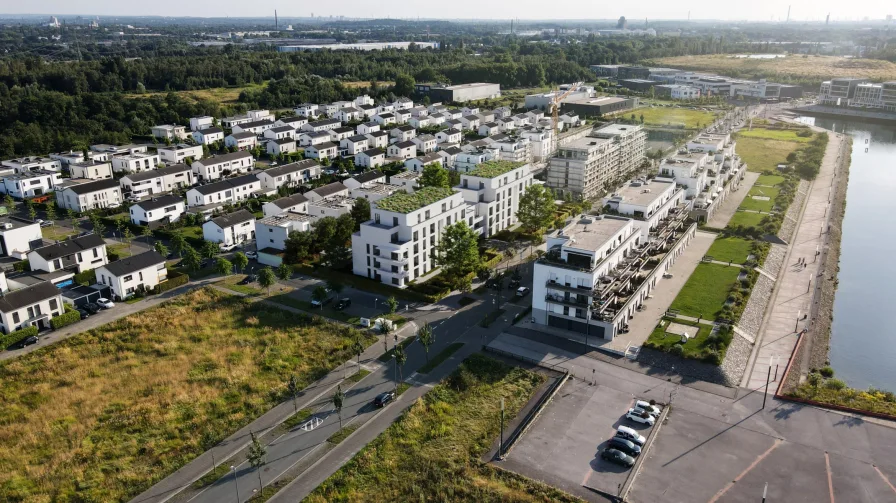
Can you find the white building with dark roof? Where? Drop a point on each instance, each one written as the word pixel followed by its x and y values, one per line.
pixel 233 228
pixel 242 141
pixel 425 143
pixel 170 132
pixel 378 139
pixel 256 127
pixel 289 175
pixel 31 306
pixel 157 181
pixel 129 275
pixel 271 232
pixel 282 146
pixel 353 145
pixel 322 125
pixel 176 154
pixel 135 163
pixel 325 150
pixel 418 163
pixel 18 236
pixel 228 191
pixel 208 135
pixel 78 254
pixel 329 190
pixel 402 150
pixel 87 196
pixel 296 203
pixel 293 122
pixel 450 135
pixel 162 209
pixel 280 133
pixel 218 166
pixel 371 158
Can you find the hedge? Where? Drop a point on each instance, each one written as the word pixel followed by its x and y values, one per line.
pixel 86 278
pixel 65 319
pixel 21 266
pixel 175 279
pixel 14 337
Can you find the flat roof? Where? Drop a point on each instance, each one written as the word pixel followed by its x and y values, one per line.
pixel 335 202
pixel 602 100
pixel 283 219
pixel 592 232
pixel 406 203
pixel 586 143
pixel 634 192
pixel 492 169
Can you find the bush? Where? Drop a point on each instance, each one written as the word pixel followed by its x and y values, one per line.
pixel 826 372
pixel 713 357
pixel 175 279
pixel 835 384
pixel 65 319
pixel 23 265
pixel 86 278
pixel 14 337
pixel 677 350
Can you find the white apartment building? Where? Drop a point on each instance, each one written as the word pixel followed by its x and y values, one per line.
pixel 129 275
pixel 354 145
pixel 170 132
pixel 87 196
pixel 425 143
pixel 256 127
pixel 449 136
pixel 78 254
pixel 289 175
pixel 686 170
pixel 91 170
pixel 30 184
pixel 228 191
pixel 403 133
pixel 325 150
pixel 542 143
pixel 202 122
pixel 632 141
pixel 585 167
pixel 157 181
pixel 646 201
pixel 208 135
pixel 218 166
pixel 513 149
pixel 157 209
pixel 280 133
pixel 231 229
pixel 296 203
pixel 402 150
pixel 378 139
pixel 18 236
pixel 494 189
pixel 135 163
pixel 177 154
pixel 242 141
pixel 31 306
pixel 277 147
pixel 371 158
pixel 322 125
pixel 398 244
pixel 468 161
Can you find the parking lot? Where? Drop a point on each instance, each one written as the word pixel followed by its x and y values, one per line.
pixel 562 447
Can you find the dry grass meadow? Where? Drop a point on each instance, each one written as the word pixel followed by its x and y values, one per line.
pixel 809 69
pixel 105 414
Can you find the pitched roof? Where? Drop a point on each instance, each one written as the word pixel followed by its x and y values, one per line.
pixel 243 135
pixel 329 189
pixel 282 141
pixel 368 176
pixel 325 122
pixel 350 109
pixel 451 131
pixel 357 138
pixel 387 115
pixel 429 157
pixel 373 152
pixel 404 128
pixel 158 202
pixel 344 129
pixel 222 158
pixel 290 201
pixel 134 263
pixel 315 134
pixel 69 247
pixel 323 146
pixel 18 299
pixel 229 183
pixel 377 134
pixel 253 124
pixel 405 144
pixel 293 119
pixel 87 188
pixel 210 130
pixel 231 219
pixel 281 129
pixel 452 150
pixel 291 167
pixel 155 173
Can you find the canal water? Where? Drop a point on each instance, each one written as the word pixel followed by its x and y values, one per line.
pixel 863 340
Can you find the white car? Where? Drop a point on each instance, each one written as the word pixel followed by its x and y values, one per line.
pixel 252 254
pixel 644 405
pixel 226 247
pixel 637 416
pixel 105 303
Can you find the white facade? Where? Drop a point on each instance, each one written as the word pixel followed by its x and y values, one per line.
pixel 271 232
pixel 289 175
pixel 91 170
pixel 425 143
pixel 31 306
pixel 208 136
pixel 227 191
pixel 687 170
pixel 234 228
pixel 170 132
pixel 494 191
pixel 218 166
pixel 127 276
pixel 255 127
pixel 162 209
pixel 135 163
pixel 284 146
pixel 242 141
pixel 378 139
pixel 202 122
pixel 308 138
pixel 17 236
pixel 81 254
pixel 468 161
pixel 177 154
pixel 296 203
pixel 370 158
pixel 402 150
pixel 449 136
pixel 90 195
pixel 403 133
pixel 354 144
pixel 325 150
pixel 280 133
pixel 157 181
pixel 647 202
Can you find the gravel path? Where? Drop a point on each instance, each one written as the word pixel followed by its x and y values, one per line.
pixel 751 319
pixel 788 226
pixel 736 358
pixel 775 259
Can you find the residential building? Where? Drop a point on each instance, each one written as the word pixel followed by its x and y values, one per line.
pixel 470 122
pixel 599 105
pixel 348 114
pixel 307 110
pixel 632 141
pixel 322 125
pixel 91 170
pixel 35 306
pixel 78 254
pixel 585 167
pixel 208 135
pixel 296 203
pixel 328 190
pixel 242 141
pixel 340 133
pixel 157 181
pixel 493 191
pixel 280 133
pixel 283 146
pixel 18 236
pixel 271 234
pixel 308 138
pixel 425 143
pixel 419 122
pixel 418 163
pixel 403 133
pixel 489 128
pixel 289 175
pixel 468 161
pixel 332 206
pixel 521 120
pixel 74 157
pixel 449 136
pixel 256 127
pixel 459 93
pixel 368 127
pixel 371 158
pixel 163 209
pixel 202 122
pixel 384 118
pixel 137 273
pixel 677 91
pixel 177 154
pixel 294 122
pixel 87 196
pixel 513 149
pixel 325 150
pixel 365 179
pixel 542 143
pixel 223 165
pixel 353 145
pixel 402 150
pixel 449 155
pixel 407 180
pixel 250 116
pixel 403 104
pixel 367 111
pixel 686 170
pixel 171 132
pixel 398 244
pixel 648 202
pixel 135 163
pixel 113 150
pixel 402 116
pixel 231 229
pixel 228 191
pixel 378 139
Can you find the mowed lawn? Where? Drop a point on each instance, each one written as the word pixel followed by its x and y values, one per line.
pixel 775 134
pixel 432 453
pixel 706 290
pixel 751 203
pixel 769 180
pixel 730 249
pixel 105 414
pixel 663 116
pixel 746 219
pixel 762 154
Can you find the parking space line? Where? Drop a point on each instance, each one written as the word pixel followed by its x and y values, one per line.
pixel 744 473
pixel 827 464
pixel 884 477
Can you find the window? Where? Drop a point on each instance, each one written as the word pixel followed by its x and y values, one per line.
pixel 53 304
pixel 15 317
pixel 129 277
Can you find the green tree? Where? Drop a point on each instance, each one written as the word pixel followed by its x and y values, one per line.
pixel 127 235
pixel 240 261
pixel 292 387
pixel 427 337
pixel 319 295
pixel 209 250
pixel 392 302
pixel 178 243
pixel 404 85
pixel 458 250
pixel 147 232
pixel 360 212
pixel 224 266
pixel 299 246
pixel 256 455
pixel 434 175
pixel 266 279
pixel 284 271
pixel 32 212
pixel 335 286
pixel 191 259
pixel 338 400
pixel 51 212
pixel 72 217
pixel 9 202
pixel 358 348
pixel 536 208
pixel 400 358
pixel 161 249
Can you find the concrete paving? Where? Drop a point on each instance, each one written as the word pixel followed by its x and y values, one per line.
pixel 791 299
pixel 729 206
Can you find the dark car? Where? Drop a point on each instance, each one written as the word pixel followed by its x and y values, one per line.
pixel 626 446
pixel 618 457
pixel 92 307
pixel 84 313
pixel 27 341
pixel 343 303
pixel 383 398
pixel 514 284
pixel 248 279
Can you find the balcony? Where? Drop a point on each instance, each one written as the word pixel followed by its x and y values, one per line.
pixel 570 301
pixel 398 260
pixel 573 289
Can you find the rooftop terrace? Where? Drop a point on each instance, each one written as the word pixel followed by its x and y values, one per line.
pixel 406 203
pixel 492 169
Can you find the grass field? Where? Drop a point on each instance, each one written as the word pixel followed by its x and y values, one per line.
pixel 222 95
pixel 746 219
pixel 706 290
pixel 662 116
pixel 769 180
pixel 355 84
pixel 762 154
pixel 774 134
pixel 663 341
pixel 730 249
pixel 432 453
pixel 760 204
pixel 806 68
pixel 58 232
pixel 105 414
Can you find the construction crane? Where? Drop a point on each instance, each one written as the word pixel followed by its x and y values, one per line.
pixel 558 98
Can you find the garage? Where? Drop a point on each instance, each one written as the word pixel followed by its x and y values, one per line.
pixel 80 295
pixel 575 326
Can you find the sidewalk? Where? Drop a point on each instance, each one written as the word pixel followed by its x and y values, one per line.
pixel 729 206
pixel 791 300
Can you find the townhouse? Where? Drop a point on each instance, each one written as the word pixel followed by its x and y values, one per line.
pixel 135 163
pixel 328 190
pixel 425 143
pixel 367 111
pixel 419 122
pixel 450 135
pixel 137 273
pixel 378 139
pixel 231 229
pixel 348 114
pixel 256 127
pixel 218 166
pixel 489 128
pixel 418 163
pixel 87 196
pixel 91 170
pixel 325 150
pixel 366 179
pixel 353 145
pixel 250 116
pixel 402 150
pixel 384 118
pixel 403 133
pixel 322 125
pixel 293 122
pixel 279 133
pixel 157 210
pixel 30 306
pixel 308 138
pixel 470 122
pixel 229 191
pixel 177 154
pixel 341 133
pixel 289 175
pixel 494 189
pixel 157 181
pixel 281 146
pixel 242 141
pixel 296 203
pixel 208 135
pixel 371 158
pixel 77 254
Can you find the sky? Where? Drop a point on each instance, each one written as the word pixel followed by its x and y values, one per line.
pixel 754 10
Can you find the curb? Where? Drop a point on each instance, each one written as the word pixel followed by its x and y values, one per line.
pixel 630 481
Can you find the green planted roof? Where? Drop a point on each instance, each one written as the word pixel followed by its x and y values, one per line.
pixel 401 202
pixel 491 169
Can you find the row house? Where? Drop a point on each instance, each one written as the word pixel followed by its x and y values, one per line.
pixel 231 229
pixel 309 138
pixel 371 158
pixel 157 181
pixel 218 166
pixel 280 133
pixel 229 191
pixel 241 141
pixel 293 122
pixel 31 184
pixel 325 150
pixel 354 145
pixel 254 127
pixel 296 203
pixel 418 163
pixel 322 125
pixel 135 163
pixel 164 209
pixel 368 127
pixel 289 175
pixel 341 133
pixel 81 197
pixel 78 254
pixel 208 135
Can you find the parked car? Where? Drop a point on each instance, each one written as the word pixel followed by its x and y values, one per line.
pixel 252 255
pixel 327 299
pixel 630 434
pixel 227 247
pixel 27 341
pixel 522 291
pixel 84 313
pixel 640 417
pixel 92 307
pixel 618 457
pixel 343 303
pixel 46 223
pixel 383 398
pixel 644 405
pixel 248 279
pixel 105 303
pixel 668 275
pixel 626 446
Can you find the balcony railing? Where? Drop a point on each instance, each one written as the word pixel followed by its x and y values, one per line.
pixel 570 301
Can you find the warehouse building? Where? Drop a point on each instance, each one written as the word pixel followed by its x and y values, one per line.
pixel 459 93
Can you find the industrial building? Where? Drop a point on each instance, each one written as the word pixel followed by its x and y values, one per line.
pixel 601 105
pixel 640 85
pixel 459 93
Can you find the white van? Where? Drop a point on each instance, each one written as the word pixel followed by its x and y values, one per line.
pixel 630 435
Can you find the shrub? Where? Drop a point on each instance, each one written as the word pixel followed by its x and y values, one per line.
pixel 713 357
pixel 20 266
pixel 835 384
pixel 14 337
pixel 65 319
pixel 826 372
pixel 175 279
pixel 86 278
pixel 677 350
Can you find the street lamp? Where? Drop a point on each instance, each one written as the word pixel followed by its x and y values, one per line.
pixel 236 483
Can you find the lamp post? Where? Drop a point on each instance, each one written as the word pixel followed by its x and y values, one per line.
pixel 236 483
pixel 501 445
